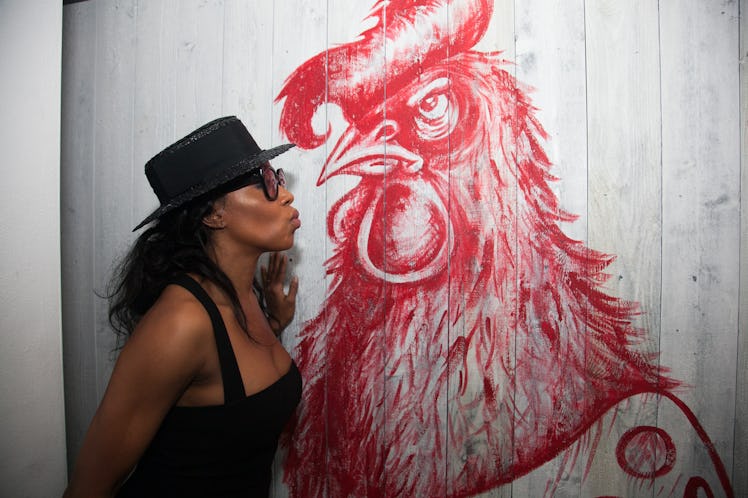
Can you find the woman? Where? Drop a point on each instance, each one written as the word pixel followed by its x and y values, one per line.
pixel 202 388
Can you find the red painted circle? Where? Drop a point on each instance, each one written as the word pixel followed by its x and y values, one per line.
pixel 695 485
pixel 410 236
pixel 646 452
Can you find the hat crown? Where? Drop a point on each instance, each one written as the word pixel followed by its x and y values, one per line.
pixel 206 152
pixel 202 162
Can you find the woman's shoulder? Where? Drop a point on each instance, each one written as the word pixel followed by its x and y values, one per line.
pixel 170 344
pixel 176 317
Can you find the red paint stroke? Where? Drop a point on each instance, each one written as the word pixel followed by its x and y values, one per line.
pixel 465 339
pixel 413 33
pixel 646 452
pixel 696 484
pixel 719 466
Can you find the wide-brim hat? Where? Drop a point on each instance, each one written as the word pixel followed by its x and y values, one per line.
pixel 203 161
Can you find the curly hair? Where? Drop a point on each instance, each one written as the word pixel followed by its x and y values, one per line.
pixel 177 243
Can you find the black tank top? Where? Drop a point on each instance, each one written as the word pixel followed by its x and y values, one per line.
pixel 217 451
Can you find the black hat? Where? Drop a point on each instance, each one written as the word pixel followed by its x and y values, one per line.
pixel 204 160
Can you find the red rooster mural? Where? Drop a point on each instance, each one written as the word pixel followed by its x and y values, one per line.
pixel 465 340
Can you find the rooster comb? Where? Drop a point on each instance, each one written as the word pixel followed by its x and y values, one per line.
pixel 354 75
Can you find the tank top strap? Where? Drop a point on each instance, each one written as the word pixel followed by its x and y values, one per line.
pixel 233 387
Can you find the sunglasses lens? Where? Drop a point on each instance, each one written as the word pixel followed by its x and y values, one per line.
pixel 271 182
pixel 281 177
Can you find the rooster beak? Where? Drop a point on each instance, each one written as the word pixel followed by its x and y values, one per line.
pixel 373 153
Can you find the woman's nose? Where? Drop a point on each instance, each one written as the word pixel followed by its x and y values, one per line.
pixel 285 195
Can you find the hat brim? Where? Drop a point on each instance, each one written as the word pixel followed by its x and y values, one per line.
pixel 212 183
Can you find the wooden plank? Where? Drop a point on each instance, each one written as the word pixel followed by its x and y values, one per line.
pixel 362 450
pixel 154 85
pixel 30 347
pixel 420 454
pixel 248 60
pixel 113 94
pixel 76 218
pixel 624 210
pixel 500 32
pixel 248 92
pixel 551 62
pixel 299 30
pixel 179 66
pixel 624 156
pixel 701 179
pixel 199 62
pixel 478 461
pixel 740 452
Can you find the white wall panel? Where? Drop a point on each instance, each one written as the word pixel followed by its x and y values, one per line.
pixel 740 438
pixel 77 213
pixel 623 130
pixel 114 67
pixel 32 442
pixel 550 47
pixel 701 209
pixel 641 104
pixel 298 30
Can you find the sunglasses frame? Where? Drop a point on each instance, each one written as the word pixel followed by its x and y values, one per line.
pixel 270 179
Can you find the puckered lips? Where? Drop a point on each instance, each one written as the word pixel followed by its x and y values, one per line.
pixel 295 220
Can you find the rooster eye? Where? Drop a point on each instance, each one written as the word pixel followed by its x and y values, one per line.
pixel 433 119
pixel 434 113
pixel 433 107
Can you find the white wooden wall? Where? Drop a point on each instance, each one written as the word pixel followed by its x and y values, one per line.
pixel 32 442
pixel 645 103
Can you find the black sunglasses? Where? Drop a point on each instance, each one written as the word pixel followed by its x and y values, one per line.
pixel 269 178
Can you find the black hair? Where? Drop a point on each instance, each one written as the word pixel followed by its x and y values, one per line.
pixel 177 243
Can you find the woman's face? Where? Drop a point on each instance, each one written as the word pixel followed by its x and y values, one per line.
pixel 251 220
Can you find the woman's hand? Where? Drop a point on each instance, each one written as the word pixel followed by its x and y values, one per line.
pixel 280 306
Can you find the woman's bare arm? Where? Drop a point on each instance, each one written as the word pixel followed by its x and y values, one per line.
pixel 164 354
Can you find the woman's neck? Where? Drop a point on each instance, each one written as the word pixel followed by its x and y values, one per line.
pixel 239 268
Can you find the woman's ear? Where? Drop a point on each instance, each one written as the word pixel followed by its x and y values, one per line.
pixel 214 219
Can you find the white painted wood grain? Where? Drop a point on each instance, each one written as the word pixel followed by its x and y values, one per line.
pixel 154 111
pixel 663 137
pixel 623 100
pixel 199 62
pixel 624 214
pixel 248 61
pixel 700 197
pixel 76 220
pixel 298 31
pixel 112 145
pixel 740 438
pixel 550 61
pixel 500 36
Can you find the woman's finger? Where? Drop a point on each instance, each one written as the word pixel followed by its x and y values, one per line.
pixel 275 263
pixel 282 261
pixel 292 289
